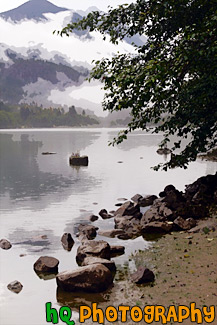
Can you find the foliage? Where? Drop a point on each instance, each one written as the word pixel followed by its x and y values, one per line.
pixel 35 116
pixel 171 80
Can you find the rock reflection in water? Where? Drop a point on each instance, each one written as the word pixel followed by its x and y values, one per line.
pixel 76 299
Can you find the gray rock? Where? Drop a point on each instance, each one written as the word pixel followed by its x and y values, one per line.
pixel 46 264
pixel 90 278
pixel 5 244
pixel 97 260
pixel 67 241
pixel 142 275
pixel 98 248
pixel 15 286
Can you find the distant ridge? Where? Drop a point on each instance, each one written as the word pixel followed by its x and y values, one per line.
pixel 32 10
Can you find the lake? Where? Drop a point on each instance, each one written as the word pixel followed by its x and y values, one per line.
pixel 42 195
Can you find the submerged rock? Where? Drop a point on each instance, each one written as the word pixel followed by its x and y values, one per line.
pixel 90 278
pixel 15 286
pixel 46 264
pixel 5 244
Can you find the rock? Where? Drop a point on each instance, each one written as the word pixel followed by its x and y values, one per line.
pixel 98 248
pixel 111 233
pixel 67 241
pixel 164 151
pixel 208 225
pixel 203 190
pixel 127 222
pixel 136 198
pixel 15 286
pixel 118 204
pixel 117 250
pixel 97 260
pixel 93 218
pixel 87 232
pixel 128 209
pixel 142 275
pixel 78 161
pixel 90 278
pixel 46 264
pixel 156 227
pixel 5 244
pixel 184 224
pixel 147 200
pixel 104 214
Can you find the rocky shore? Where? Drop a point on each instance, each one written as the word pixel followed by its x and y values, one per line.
pixel 180 267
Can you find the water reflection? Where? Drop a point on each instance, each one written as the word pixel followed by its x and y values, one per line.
pixel 26 175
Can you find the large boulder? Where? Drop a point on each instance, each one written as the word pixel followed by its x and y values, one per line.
pixel 15 286
pixel 142 275
pixel 46 264
pixel 90 278
pixel 97 260
pixel 98 248
pixel 203 190
pixel 67 241
pixel 5 244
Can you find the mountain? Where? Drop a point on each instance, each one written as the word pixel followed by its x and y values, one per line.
pixel 33 9
pixel 32 78
pixel 37 66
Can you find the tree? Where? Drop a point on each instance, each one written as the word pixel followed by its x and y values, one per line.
pixel 171 80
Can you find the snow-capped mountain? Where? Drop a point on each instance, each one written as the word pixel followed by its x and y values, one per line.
pixel 47 68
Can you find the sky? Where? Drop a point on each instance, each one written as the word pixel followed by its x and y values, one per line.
pixel 71 4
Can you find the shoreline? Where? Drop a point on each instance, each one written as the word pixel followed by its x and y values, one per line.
pixel 184 265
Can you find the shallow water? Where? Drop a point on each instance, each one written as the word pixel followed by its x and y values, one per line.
pixel 43 195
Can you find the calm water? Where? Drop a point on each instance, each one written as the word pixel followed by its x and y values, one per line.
pixel 43 195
